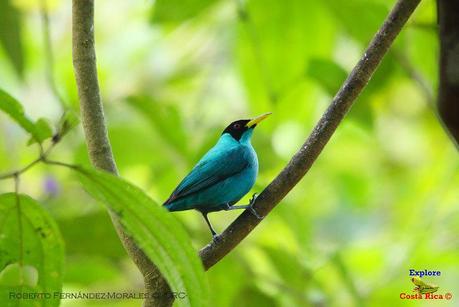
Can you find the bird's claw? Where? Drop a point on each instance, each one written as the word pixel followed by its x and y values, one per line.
pixel 254 212
pixel 252 209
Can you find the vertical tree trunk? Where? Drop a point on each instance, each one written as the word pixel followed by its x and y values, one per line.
pixel 448 92
pixel 99 149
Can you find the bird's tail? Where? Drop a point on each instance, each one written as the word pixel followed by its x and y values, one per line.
pixel 169 201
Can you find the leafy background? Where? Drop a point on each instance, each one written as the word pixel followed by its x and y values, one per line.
pixel 381 199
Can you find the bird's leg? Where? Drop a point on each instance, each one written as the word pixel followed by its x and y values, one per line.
pixel 215 236
pixel 253 199
pixel 249 206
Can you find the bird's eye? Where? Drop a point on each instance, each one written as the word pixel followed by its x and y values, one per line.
pixel 237 126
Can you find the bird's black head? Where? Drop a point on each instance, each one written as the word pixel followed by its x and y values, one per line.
pixel 237 128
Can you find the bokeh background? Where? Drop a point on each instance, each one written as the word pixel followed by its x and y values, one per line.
pixel 381 199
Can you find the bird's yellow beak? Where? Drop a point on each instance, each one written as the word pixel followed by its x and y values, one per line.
pixel 257 119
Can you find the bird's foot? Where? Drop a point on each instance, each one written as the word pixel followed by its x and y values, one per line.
pixel 249 207
pixel 216 238
pixel 253 199
pixel 252 209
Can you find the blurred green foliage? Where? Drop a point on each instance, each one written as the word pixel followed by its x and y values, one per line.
pixel 381 199
pixel 10 35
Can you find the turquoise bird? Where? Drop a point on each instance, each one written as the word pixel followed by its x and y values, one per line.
pixel 223 175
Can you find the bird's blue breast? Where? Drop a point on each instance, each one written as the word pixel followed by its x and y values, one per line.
pixel 222 177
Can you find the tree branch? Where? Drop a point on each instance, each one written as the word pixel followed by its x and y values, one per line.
pixel 99 148
pixel 101 156
pixel 84 63
pixel 308 153
pixel 448 92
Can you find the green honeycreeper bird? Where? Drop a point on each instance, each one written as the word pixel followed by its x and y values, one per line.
pixel 223 175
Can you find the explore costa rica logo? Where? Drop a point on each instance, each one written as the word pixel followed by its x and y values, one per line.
pixel 424 289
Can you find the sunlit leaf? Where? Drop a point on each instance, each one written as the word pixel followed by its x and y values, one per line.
pixel 14 109
pixel 43 131
pixel 37 245
pixel 156 232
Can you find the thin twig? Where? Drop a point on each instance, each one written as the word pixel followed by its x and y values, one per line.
pixel 43 155
pixel 308 153
pixel 16 173
pixel 49 55
pixel 59 163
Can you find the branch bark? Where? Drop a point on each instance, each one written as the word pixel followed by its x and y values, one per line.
pixel 308 153
pixel 448 93
pixel 99 148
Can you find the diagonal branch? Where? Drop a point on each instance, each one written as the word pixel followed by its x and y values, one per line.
pixel 308 153
pixel 99 148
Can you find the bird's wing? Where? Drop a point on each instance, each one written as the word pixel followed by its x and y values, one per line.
pixel 212 169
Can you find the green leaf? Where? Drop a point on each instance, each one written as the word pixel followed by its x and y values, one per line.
pixel 10 35
pixel 178 10
pixel 43 130
pixel 155 231
pixel 41 254
pixel 327 73
pixel 13 108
